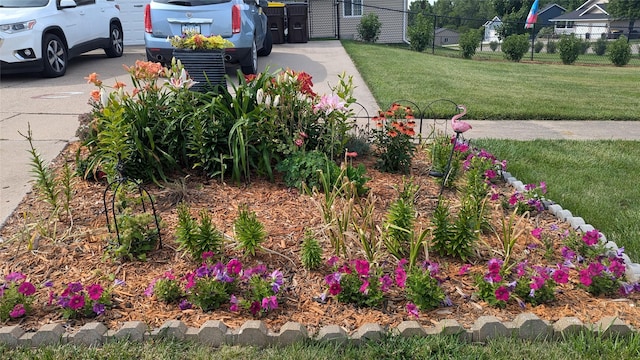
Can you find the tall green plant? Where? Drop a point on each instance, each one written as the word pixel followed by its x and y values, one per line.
pixel 197 238
pixel 569 47
pixel 369 27
pixel 249 231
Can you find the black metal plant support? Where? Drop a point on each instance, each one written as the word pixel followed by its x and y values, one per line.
pixel 142 192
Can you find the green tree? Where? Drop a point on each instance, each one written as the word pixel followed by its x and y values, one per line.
pixel 469 42
pixel 625 10
pixel 570 47
pixel 513 14
pixel 419 7
pixel 420 33
pixel 515 46
pixel 619 51
pixel 369 27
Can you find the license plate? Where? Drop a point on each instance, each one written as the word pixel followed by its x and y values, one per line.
pixel 191 28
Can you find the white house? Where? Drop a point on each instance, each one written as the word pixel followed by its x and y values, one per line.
pixel 491 29
pixel 590 20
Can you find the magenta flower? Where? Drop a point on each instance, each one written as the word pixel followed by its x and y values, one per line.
pixel 567 253
pixel 502 293
pixel 401 277
pixel 537 282
pixel 207 255
pixel 364 288
pixel 362 267
pixel 495 265
pixel 149 291
pixel 543 187
pixel 334 289
pixel 537 233
pixel 76 302
pixel 412 309
pixel 617 268
pixel 561 275
pixel 332 261
pixel 18 311
pixel 270 303
pixel 26 288
pixel 490 174
pixel 464 269
pixel 585 277
pixel 95 291
pixel 169 275
pixel 299 142
pixel 591 237
pixel 15 276
pixel 234 303
pixel 191 281
pixel 494 196
pixel 234 266
pixel 254 308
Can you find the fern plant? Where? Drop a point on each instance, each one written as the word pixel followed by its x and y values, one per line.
pixel 250 232
pixel 311 252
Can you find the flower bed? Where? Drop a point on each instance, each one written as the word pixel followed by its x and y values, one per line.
pixel 351 254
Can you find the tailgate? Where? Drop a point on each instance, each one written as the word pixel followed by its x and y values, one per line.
pixel 175 18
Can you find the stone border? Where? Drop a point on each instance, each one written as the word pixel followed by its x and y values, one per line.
pixel 255 333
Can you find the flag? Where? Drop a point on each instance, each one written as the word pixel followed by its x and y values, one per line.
pixel 533 15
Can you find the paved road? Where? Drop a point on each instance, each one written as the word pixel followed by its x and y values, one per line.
pixel 52 106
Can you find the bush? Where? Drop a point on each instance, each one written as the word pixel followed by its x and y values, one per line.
pixel 584 46
pixel 538 46
pixel 515 46
pixel 493 45
pixel 551 47
pixel 469 42
pixel 369 27
pixel 620 52
pixel 569 47
pixel 600 47
pixel 420 33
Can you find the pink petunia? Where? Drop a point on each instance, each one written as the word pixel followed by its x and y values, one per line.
pixel 464 269
pixel 591 237
pixel 95 291
pixel 76 302
pixel 364 288
pixel 585 277
pixel 502 293
pixel 362 267
pixel 401 277
pixel 537 233
pixel 334 289
pixel 234 266
pixel 561 275
pixel 26 288
pixel 412 309
pixel 18 311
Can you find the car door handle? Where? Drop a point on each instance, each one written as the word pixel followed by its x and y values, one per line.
pixel 138 5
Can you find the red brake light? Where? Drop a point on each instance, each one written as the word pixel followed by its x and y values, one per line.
pixel 236 20
pixel 147 19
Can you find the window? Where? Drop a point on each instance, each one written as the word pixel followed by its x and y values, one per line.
pixel 352 8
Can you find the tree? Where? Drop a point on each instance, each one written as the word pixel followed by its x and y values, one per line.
pixel 625 10
pixel 369 27
pixel 420 33
pixel 513 14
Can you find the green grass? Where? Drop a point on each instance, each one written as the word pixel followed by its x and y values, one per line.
pixel 582 346
pixel 593 179
pixel 498 90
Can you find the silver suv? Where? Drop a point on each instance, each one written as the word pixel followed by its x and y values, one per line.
pixel 42 35
pixel 240 21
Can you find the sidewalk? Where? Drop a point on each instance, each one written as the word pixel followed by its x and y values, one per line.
pixel 52 107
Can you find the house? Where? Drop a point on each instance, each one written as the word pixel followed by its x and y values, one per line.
pixel 547 13
pixel 491 30
pixel 591 20
pixel 339 19
pixel 326 19
pixel 444 36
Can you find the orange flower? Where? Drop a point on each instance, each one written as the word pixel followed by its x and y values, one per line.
pixel 393 133
pixel 93 79
pixel 95 95
pixel 351 154
pixel 119 84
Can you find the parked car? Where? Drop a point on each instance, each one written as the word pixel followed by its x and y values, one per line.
pixel 42 35
pixel 243 22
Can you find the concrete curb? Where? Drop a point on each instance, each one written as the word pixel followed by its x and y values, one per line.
pixel 255 333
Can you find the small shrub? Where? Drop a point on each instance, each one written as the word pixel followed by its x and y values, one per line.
pixel 195 238
pixel 584 46
pixel 355 283
pixel 515 46
pixel 493 45
pixel 302 168
pixel 600 47
pixel 311 252
pixel 138 236
pixel 423 288
pixel 420 33
pixel 469 42
pixel 250 232
pixel 551 47
pixel 569 47
pixel 539 45
pixel 168 289
pixel 369 27
pixel 620 51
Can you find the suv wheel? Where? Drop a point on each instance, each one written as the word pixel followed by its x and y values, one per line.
pixel 54 56
pixel 116 42
pixel 250 64
pixel 267 46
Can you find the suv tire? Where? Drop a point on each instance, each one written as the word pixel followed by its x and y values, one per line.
pixel 250 64
pixel 267 46
pixel 54 56
pixel 116 42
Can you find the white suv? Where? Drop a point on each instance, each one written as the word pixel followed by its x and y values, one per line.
pixel 42 35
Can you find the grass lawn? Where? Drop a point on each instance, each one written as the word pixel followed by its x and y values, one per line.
pixel 498 89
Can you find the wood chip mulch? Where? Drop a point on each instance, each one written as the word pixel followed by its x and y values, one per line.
pixel 79 255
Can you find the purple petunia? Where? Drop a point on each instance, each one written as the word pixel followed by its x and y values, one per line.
pixel 76 302
pixel 95 291
pixel 98 308
pixel 502 293
pixel 15 276
pixel 185 305
pixel 18 311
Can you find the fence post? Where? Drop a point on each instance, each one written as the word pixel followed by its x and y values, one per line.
pixel 433 43
pixel 533 38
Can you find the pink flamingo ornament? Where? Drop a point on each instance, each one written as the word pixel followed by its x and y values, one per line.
pixel 460 126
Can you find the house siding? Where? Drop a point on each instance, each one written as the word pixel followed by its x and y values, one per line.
pixel 390 13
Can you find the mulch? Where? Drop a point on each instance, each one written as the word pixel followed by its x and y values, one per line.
pixel 78 254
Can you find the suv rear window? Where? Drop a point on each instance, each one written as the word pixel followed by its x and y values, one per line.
pixel 192 2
